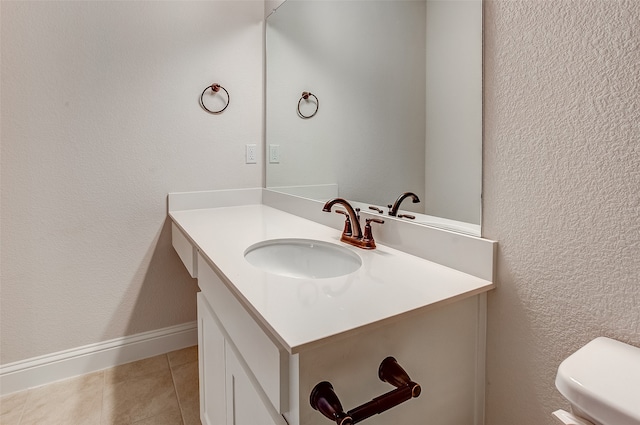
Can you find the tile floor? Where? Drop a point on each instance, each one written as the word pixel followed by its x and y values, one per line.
pixel 161 390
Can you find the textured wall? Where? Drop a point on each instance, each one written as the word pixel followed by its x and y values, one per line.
pixel 100 119
pixel 561 191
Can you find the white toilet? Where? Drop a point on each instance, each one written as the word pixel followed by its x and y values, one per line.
pixel 602 382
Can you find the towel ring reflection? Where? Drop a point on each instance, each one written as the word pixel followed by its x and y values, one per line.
pixel 214 88
pixel 305 96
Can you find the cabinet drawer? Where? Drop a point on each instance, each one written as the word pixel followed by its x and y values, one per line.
pixel 185 249
pixel 266 360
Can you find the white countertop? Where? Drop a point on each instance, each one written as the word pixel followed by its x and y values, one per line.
pixel 303 312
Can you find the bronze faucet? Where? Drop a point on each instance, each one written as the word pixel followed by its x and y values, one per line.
pixel 393 209
pixel 352 225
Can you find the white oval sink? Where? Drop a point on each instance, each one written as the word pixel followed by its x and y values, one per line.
pixel 302 258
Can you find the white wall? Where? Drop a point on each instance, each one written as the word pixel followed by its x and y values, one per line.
pixel 561 191
pixel 100 120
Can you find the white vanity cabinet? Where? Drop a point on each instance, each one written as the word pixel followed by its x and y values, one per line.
pixel 265 341
pixel 229 391
pixel 263 383
pixel 227 394
pixel 244 405
pixel 211 366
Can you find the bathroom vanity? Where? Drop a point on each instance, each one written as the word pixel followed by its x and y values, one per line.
pixel 266 339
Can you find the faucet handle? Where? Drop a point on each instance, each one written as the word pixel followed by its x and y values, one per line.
pixel 368 235
pixel 347 223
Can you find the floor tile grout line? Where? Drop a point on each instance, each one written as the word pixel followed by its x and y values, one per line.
pixel 175 390
pixel 104 384
pixel 24 406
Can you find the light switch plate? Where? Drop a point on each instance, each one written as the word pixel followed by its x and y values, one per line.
pixel 274 154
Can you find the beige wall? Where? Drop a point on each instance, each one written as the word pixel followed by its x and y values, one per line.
pixel 561 191
pixel 100 119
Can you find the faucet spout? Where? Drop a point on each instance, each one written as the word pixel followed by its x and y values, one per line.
pixel 393 209
pixel 355 220
pixel 360 239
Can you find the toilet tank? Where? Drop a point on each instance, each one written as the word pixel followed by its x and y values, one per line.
pixel 602 382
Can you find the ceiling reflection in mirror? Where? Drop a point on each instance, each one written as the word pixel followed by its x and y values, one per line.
pixel 396 105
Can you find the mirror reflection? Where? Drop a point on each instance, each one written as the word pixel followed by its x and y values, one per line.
pixel 397 86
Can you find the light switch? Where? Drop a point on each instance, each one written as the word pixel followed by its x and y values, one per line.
pixel 274 154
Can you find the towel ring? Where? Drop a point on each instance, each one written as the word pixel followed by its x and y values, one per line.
pixel 305 96
pixel 214 88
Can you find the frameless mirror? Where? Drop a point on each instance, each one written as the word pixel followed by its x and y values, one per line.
pixel 397 85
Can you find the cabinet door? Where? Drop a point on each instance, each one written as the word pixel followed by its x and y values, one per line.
pixel 211 364
pixel 244 405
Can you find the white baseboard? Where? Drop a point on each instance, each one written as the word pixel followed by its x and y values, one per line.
pixel 65 364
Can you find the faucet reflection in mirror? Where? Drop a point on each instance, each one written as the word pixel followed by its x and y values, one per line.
pixel 360 239
pixel 393 209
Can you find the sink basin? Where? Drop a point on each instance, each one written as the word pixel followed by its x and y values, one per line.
pixel 302 258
